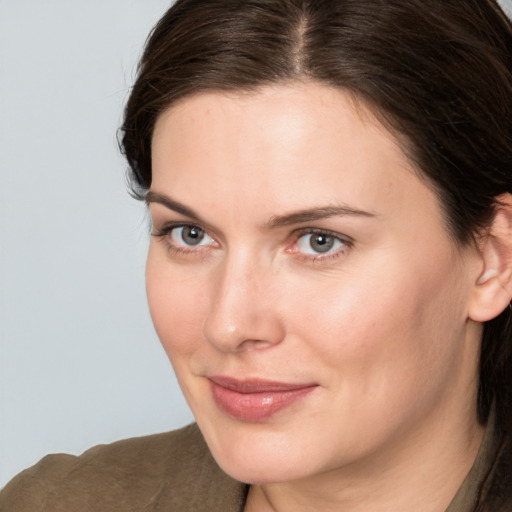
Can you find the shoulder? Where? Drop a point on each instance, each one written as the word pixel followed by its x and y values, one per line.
pixel 160 472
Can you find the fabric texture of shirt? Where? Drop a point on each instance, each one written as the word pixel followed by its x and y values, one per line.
pixel 171 472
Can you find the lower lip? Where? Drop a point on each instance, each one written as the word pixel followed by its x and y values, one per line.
pixel 256 406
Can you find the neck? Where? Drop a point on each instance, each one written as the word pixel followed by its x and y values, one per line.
pixel 420 471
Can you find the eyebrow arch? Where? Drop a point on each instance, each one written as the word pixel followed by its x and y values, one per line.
pixel 155 197
pixel 314 214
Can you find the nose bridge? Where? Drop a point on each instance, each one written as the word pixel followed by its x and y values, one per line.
pixel 242 314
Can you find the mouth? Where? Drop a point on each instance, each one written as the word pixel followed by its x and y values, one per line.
pixel 255 400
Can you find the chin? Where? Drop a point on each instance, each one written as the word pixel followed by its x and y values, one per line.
pixel 259 453
pixel 263 469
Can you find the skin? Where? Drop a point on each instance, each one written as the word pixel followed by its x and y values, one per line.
pixel 381 323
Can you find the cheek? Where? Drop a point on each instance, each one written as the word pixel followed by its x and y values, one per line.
pixel 176 304
pixel 382 332
pixel 349 328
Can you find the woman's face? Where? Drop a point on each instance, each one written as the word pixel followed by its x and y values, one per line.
pixel 303 283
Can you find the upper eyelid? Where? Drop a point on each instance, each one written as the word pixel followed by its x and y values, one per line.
pixel 308 231
pixel 168 227
pixel 295 233
pixel 183 218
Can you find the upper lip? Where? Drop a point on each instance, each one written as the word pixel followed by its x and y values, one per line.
pixel 256 385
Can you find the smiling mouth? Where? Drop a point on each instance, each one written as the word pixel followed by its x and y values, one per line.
pixel 255 400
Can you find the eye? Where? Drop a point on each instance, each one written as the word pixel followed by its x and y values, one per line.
pixel 189 236
pixel 319 243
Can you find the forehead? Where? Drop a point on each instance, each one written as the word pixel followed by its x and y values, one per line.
pixel 282 106
pixel 291 145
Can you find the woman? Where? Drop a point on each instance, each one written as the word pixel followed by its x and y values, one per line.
pixel 330 269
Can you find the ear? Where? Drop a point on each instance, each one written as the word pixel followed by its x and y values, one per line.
pixel 493 288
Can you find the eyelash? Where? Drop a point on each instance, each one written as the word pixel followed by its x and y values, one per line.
pixel 165 235
pixel 345 242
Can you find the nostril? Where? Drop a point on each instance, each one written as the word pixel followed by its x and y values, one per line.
pixel 249 345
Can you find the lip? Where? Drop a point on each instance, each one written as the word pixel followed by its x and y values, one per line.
pixel 255 400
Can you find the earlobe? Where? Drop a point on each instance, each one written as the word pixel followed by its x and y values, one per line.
pixel 493 288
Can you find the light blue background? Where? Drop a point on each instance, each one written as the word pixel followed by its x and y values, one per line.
pixel 79 362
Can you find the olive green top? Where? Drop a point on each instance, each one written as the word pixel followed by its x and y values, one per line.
pixel 172 472
pixel 482 471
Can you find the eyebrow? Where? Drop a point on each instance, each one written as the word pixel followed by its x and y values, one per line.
pixel 155 197
pixel 312 214
pixel 298 217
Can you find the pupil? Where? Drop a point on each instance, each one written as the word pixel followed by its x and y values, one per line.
pixel 321 243
pixel 192 236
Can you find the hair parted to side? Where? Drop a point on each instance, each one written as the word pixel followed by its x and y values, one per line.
pixel 437 73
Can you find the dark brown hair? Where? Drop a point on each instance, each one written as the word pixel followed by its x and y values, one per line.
pixel 436 72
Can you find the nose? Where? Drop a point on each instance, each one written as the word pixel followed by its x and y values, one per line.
pixel 243 311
